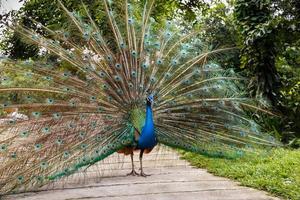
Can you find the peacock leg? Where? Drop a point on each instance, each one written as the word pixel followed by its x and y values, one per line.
pixel 141 164
pixel 133 172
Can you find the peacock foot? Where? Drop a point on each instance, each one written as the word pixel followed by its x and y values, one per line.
pixel 143 174
pixel 133 173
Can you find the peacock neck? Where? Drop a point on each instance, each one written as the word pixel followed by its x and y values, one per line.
pixel 149 115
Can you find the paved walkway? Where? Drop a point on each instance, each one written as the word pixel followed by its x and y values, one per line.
pixel 171 179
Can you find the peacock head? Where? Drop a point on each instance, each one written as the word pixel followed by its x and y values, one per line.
pixel 150 99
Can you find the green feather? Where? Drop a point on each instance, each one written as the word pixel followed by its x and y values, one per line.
pixel 137 118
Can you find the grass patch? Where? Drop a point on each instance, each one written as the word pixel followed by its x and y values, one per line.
pixel 277 173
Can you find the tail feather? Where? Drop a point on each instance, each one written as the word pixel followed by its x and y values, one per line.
pixel 43 150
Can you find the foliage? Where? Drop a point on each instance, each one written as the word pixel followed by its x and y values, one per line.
pixel 289 70
pixel 258 48
pixel 277 173
pixel 270 41
pixel 266 27
pixel 220 30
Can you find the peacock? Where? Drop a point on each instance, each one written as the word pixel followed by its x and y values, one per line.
pixel 96 93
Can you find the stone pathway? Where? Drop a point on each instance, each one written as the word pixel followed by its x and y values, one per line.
pixel 171 179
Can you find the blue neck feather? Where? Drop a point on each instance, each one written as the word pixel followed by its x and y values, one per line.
pixel 147 138
pixel 149 116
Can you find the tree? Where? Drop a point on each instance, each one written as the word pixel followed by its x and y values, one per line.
pixel 258 48
pixel 270 35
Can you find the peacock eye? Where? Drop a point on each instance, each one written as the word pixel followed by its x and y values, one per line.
pixel 122 45
pixel 130 21
pixel 118 65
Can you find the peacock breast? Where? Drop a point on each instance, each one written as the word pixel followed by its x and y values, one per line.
pixel 147 138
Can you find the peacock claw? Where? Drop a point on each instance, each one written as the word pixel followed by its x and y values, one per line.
pixel 133 173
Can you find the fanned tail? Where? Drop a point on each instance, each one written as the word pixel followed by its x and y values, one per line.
pixel 71 125
pixel 208 113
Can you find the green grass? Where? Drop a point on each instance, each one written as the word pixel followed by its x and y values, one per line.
pixel 277 173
